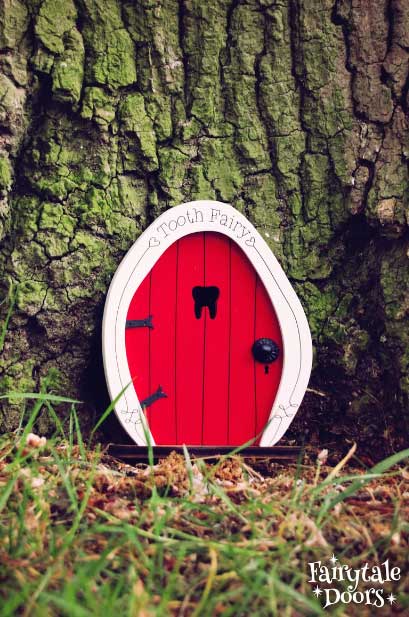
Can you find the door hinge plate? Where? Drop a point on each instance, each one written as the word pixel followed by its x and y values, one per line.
pixel 140 323
pixel 154 397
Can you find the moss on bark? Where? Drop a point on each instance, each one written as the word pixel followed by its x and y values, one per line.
pixel 294 111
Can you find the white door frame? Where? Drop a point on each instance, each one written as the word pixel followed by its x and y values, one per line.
pixel 175 223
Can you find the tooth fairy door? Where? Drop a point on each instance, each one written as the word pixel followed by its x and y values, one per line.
pixel 204 339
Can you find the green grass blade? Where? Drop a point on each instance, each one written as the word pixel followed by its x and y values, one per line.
pixel 69 607
pixel 80 441
pixel 107 412
pixel 53 398
pixel 12 295
pixel 55 419
pixel 376 471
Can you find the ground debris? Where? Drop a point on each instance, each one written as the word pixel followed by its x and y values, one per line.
pixel 188 526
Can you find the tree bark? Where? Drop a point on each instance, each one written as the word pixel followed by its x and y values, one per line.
pixel 294 111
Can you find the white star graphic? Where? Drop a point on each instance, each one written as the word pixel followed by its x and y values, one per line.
pixel 391 598
pixel 333 559
pixel 317 591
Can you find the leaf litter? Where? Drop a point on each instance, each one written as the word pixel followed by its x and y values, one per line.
pixel 188 537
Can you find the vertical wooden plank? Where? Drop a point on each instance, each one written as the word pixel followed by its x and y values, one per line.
pixel 162 413
pixel 267 326
pixel 242 418
pixel 137 340
pixel 217 341
pixel 189 341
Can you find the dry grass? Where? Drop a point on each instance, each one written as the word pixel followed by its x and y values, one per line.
pixel 83 534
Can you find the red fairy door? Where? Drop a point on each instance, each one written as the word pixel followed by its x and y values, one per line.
pixel 203 344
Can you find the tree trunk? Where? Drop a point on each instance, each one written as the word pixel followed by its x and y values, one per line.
pixel 294 111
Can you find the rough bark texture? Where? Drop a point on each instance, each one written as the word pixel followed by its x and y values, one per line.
pixel 294 111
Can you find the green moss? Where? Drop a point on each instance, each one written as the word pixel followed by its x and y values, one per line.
pixel 160 68
pixel 99 106
pixel 326 112
pixel 204 42
pixel 55 18
pixel 191 129
pixel 302 258
pixel 329 316
pixel 28 260
pixel 117 211
pixel 26 216
pixel 125 231
pixel 161 112
pixel 221 168
pixel 133 196
pixel 315 176
pixel 64 160
pixel 323 211
pixel 243 106
pixel 16 65
pixel 200 187
pixel 53 217
pixel 96 210
pixel 12 101
pixel 13 23
pixel 172 165
pixel 115 65
pixel 278 90
pixel 388 198
pixel 55 187
pixel 5 172
pixel 88 250
pixel 280 100
pixel 43 60
pixel 52 380
pixel 19 378
pixel 263 207
pixel 253 147
pixel 318 304
pixel 55 229
pixel 68 70
pixel 135 121
pixel 111 50
pixel 30 296
pixel 55 245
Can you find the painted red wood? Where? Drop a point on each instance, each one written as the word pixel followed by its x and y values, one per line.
pixel 162 414
pixel 217 393
pixel 137 340
pixel 189 354
pixel 242 424
pixel 266 326
pixel 217 345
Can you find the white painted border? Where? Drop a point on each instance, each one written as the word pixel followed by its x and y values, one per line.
pixel 179 221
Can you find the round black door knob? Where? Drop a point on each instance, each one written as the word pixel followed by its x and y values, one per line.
pixel 265 350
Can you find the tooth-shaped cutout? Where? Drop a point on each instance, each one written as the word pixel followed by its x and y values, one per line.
pixel 205 296
pixel 205 254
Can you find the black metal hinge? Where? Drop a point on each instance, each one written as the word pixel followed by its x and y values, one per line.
pixel 154 397
pixel 140 323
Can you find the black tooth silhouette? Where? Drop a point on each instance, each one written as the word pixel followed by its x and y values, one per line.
pixel 212 310
pixel 198 309
pixel 205 296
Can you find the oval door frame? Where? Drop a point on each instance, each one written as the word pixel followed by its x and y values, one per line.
pixel 172 225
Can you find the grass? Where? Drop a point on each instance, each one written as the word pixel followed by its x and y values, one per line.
pixel 82 534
